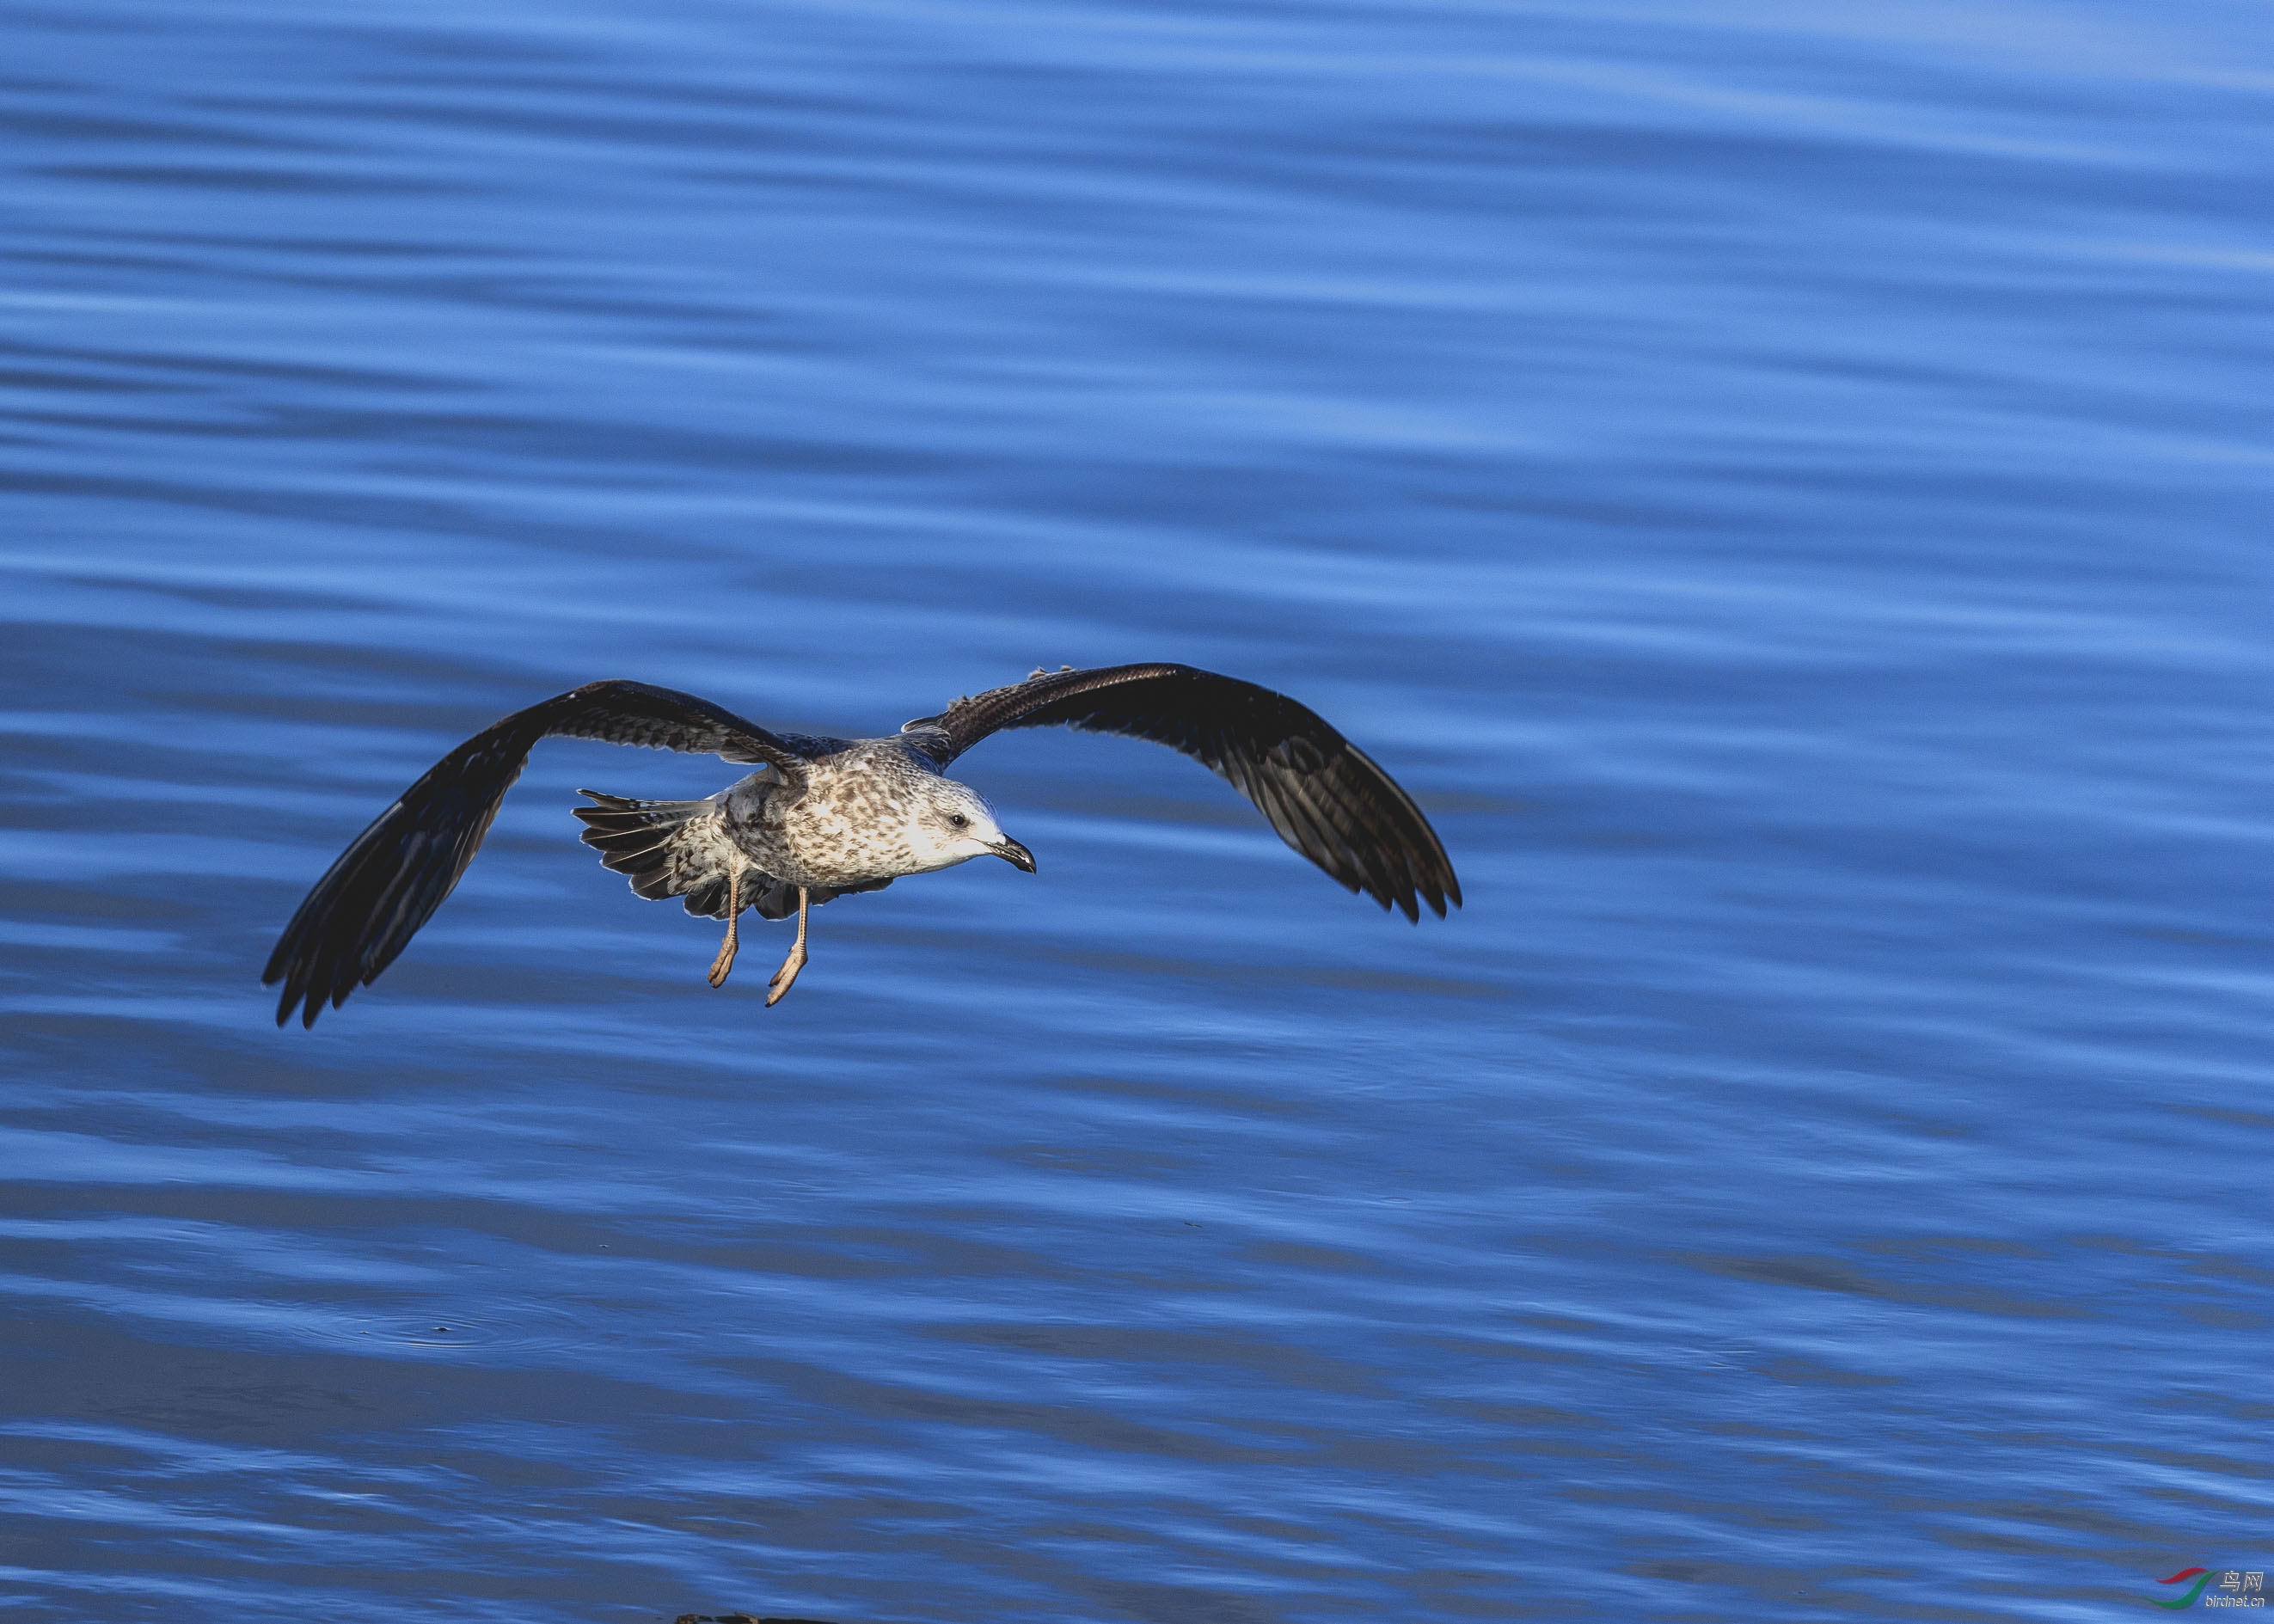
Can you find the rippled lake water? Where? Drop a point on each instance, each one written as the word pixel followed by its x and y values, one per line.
pixel 1786 488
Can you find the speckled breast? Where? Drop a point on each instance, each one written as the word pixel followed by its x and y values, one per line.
pixel 850 826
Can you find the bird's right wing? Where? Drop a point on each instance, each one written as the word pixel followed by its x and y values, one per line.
pixel 1326 797
pixel 366 908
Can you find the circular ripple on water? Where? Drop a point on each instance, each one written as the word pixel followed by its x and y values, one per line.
pixel 515 1327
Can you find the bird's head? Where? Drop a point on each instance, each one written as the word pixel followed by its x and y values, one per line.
pixel 951 824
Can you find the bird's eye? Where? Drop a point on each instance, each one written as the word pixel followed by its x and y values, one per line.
pixel 959 821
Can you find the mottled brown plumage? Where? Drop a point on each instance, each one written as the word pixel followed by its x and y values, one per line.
pixel 825 817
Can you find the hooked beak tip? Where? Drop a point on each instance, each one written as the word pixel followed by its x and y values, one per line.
pixel 1018 856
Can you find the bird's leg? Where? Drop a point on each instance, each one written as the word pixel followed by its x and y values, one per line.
pixel 724 963
pixel 785 978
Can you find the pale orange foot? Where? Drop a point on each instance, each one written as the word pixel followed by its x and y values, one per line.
pixel 723 965
pixel 785 978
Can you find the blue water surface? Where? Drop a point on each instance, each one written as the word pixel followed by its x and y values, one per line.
pixel 1785 485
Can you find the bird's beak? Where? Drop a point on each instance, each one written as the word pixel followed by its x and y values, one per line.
pixel 1011 852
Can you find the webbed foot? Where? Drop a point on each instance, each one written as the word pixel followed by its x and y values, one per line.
pixel 785 978
pixel 723 965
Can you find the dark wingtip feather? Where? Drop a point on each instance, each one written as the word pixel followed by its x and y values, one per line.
pixel 390 880
pixel 1327 799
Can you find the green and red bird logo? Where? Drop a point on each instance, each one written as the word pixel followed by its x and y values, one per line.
pixel 2201 1576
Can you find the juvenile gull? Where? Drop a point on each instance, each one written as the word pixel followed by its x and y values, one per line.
pixel 825 817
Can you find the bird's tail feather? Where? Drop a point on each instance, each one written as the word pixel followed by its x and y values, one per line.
pixel 652 842
pixel 679 848
pixel 619 823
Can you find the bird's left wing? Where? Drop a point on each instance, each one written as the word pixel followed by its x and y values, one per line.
pixel 1324 794
pixel 387 884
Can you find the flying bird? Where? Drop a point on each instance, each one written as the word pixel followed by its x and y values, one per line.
pixel 824 818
